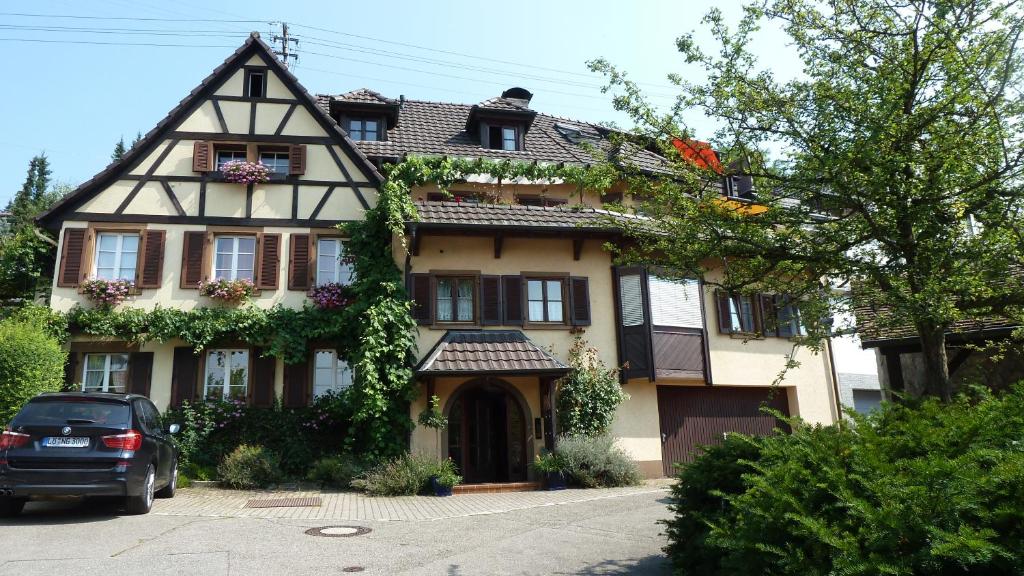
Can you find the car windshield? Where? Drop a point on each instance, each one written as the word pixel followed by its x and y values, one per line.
pixel 60 412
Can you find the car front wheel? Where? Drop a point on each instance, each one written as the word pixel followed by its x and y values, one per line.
pixel 143 503
pixel 172 484
pixel 10 507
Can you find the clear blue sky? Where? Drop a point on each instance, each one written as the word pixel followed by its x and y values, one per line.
pixel 74 101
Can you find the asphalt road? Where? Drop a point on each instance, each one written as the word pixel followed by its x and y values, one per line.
pixel 610 536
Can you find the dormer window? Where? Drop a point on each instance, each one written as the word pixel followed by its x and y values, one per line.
pixel 364 129
pixel 255 83
pixel 502 138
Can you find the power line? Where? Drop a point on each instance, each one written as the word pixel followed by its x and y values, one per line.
pixel 99 43
pixel 133 18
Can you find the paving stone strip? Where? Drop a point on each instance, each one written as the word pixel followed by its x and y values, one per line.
pixel 219 503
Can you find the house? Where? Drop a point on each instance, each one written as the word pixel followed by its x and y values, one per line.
pixel 503 275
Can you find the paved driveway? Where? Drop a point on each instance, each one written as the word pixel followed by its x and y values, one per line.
pixel 573 532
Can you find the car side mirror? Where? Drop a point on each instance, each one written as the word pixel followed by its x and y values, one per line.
pixel 173 429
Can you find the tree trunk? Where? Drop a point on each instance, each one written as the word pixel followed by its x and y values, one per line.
pixel 936 365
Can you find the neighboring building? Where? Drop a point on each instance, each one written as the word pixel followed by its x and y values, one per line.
pixel 502 275
pixel 856 368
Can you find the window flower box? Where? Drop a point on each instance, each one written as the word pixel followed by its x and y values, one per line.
pixel 331 295
pixel 228 291
pixel 107 293
pixel 242 172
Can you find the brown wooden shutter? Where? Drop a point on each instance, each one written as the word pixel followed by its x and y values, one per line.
pixel 770 325
pixel 140 372
pixel 296 385
pixel 70 274
pixel 270 261
pixel 299 267
pixel 512 298
pixel 633 322
pixel 724 317
pixel 263 371
pixel 184 375
pixel 297 159
pixel 192 259
pixel 202 156
pixel 579 301
pixel 151 265
pixel 71 372
pixel 490 300
pixel 422 303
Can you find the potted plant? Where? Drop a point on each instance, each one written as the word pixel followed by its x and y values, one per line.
pixel 242 172
pixel 551 467
pixel 331 295
pixel 444 479
pixel 433 417
pixel 107 293
pixel 228 291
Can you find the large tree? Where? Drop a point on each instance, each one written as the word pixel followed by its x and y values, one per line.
pixel 893 159
pixel 31 199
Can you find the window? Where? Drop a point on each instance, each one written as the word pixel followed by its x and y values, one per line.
pixel 227 375
pixel 502 138
pixel 116 256
pixel 675 303
pixel 225 155
pixel 105 373
pixel 235 257
pixel 331 265
pixel 257 84
pixel 538 200
pixel 544 301
pixel 362 129
pixel 741 314
pixel 330 373
pixel 455 196
pixel 788 315
pixel 276 162
pixel 455 299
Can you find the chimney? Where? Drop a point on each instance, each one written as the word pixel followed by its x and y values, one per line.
pixel 401 100
pixel 520 96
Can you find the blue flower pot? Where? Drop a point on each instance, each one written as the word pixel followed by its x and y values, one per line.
pixel 439 490
pixel 554 481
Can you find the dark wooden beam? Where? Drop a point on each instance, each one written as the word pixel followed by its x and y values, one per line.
pixel 245 137
pixel 252 118
pixel 149 174
pixel 577 248
pixel 203 220
pixel 320 204
pixel 284 121
pixel 173 197
pixel 295 201
pixel 499 241
pixel 220 117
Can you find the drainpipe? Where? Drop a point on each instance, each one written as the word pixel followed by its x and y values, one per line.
pixel 835 379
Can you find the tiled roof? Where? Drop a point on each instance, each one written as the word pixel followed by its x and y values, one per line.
pixel 462 214
pixel 487 352
pixel 439 128
pixel 364 96
pixel 874 328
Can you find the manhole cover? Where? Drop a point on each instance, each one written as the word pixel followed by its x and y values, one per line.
pixel 283 503
pixel 338 532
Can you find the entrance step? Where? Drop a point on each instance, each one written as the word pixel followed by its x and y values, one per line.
pixel 496 487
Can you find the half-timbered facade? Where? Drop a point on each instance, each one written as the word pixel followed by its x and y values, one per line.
pixel 503 275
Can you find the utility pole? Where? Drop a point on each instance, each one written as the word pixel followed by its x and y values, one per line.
pixel 284 39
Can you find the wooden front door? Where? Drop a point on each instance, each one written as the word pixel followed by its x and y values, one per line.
pixel 486 436
pixel 694 417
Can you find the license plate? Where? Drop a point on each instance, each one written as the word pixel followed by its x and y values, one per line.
pixel 65 442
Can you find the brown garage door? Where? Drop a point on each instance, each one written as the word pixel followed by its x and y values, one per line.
pixel 693 417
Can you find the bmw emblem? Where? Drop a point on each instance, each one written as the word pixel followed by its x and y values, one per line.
pixel 66 430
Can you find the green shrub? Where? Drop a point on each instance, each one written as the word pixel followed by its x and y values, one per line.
pixel 404 475
pixel 334 471
pixel 31 362
pixel 249 467
pixel 589 394
pixel 595 461
pixel 920 489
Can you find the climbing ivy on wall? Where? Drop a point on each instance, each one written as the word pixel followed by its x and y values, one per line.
pixel 376 333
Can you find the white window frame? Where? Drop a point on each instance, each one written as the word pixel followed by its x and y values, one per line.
pixel 736 301
pixel 505 139
pixel 225 385
pixel 341 271
pixel 339 374
pixel 450 302
pixel 280 161
pixel 105 386
pixel 546 300
pixel 118 253
pixel 361 133
pixel 233 270
pixel 234 156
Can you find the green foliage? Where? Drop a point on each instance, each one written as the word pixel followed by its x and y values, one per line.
pixel 26 264
pixel 546 462
pixel 595 461
pixel 432 416
pixel 53 323
pixel 901 124
pixel 589 394
pixel 32 198
pixel 446 474
pixel 31 362
pixel 404 475
pixel 119 150
pixel 334 471
pixel 249 467
pixel 920 489
pixel 212 430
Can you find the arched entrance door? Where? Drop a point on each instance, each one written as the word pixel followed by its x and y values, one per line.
pixel 487 432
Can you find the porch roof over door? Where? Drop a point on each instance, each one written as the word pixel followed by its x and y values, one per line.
pixel 479 352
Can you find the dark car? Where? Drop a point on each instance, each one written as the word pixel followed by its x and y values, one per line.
pixel 87 444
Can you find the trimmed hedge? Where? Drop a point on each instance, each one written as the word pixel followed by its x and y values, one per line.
pixel 918 489
pixel 31 362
